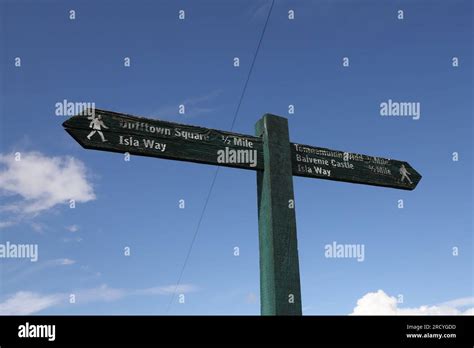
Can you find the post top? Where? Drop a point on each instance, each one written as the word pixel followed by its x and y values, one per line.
pixel 268 115
pixel 272 119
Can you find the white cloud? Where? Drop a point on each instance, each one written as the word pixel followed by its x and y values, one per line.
pixel 101 293
pixel 75 239
pixel 167 290
pixel 193 106
pixel 379 303
pixel 202 98
pixel 460 302
pixel 36 268
pixel 38 182
pixel 72 228
pixel 37 227
pixel 258 11
pixel 5 224
pixel 469 311
pixel 25 302
pixel 65 262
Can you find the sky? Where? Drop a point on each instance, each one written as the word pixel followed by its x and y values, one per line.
pixel 418 259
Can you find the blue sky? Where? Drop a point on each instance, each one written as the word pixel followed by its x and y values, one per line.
pixel 408 251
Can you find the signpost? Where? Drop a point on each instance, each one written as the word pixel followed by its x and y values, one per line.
pixel 275 160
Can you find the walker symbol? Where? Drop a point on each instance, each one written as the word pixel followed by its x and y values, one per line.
pixel 405 174
pixel 97 124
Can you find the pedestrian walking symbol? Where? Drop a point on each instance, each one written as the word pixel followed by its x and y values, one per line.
pixel 405 174
pixel 96 124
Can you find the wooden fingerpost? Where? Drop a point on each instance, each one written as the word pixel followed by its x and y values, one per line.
pixel 276 161
pixel 280 292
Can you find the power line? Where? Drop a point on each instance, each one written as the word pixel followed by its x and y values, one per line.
pixel 194 239
pixel 251 66
pixel 217 169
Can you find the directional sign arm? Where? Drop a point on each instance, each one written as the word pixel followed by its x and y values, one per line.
pixel 322 163
pixel 122 133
